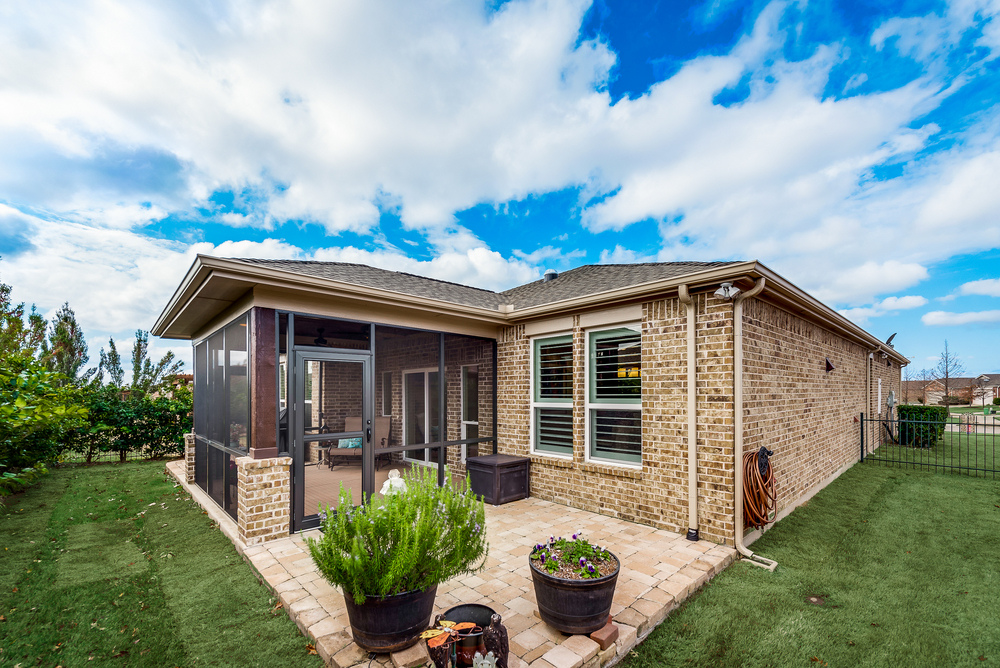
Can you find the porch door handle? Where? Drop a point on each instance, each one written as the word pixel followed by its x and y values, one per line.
pixel 369 434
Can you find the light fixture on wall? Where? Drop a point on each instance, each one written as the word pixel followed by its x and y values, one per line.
pixel 829 365
pixel 727 292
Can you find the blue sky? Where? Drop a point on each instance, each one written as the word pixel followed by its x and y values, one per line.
pixel 853 147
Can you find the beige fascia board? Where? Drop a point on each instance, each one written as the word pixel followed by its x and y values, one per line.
pixel 205 266
pixel 193 279
pixel 634 292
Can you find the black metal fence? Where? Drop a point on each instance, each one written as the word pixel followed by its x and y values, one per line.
pixel 966 443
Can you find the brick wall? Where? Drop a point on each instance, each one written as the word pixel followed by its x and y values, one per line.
pixel 790 404
pixel 794 407
pixel 656 494
pixel 264 499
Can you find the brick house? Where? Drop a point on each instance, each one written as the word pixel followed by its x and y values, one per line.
pixel 630 387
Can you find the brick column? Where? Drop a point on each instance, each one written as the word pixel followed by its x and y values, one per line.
pixel 265 499
pixel 189 456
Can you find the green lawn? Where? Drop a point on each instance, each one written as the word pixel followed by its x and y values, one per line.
pixel 977 454
pixel 907 565
pixel 113 565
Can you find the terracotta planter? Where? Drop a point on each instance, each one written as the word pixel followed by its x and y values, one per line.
pixel 574 606
pixel 392 623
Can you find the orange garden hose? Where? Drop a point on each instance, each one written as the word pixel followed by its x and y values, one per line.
pixel 758 489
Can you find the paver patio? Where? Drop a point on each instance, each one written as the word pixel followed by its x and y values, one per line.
pixel 659 569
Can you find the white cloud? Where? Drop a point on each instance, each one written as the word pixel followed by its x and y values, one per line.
pixel 479 267
pixel 549 253
pixel 989 287
pixel 330 111
pixel 902 303
pixel 862 315
pixel 622 255
pixel 946 319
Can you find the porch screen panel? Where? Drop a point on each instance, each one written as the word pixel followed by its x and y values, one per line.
pixel 215 401
pixel 552 395
pixel 217 475
pixel 407 365
pixel 238 384
pixel 284 408
pixel 232 480
pixel 335 436
pixel 469 374
pixel 614 394
pixel 201 388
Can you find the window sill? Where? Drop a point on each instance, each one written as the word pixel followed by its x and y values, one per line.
pixel 620 471
pixel 551 460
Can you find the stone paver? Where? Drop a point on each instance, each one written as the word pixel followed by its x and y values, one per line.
pixel 660 569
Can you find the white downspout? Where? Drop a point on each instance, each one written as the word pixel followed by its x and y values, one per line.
pixel 692 396
pixel 754 559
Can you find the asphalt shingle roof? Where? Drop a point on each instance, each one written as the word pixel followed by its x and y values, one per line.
pixel 585 280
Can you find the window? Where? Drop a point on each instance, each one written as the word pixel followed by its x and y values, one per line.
pixel 614 395
pixel 552 395
pixel 470 410
pixel 386 393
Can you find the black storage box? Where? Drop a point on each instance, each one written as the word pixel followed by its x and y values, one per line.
pixel 499 479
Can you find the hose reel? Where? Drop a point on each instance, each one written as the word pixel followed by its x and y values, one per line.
pixel 758 488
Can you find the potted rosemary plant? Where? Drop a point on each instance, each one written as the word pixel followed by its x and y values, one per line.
pixel 389 555
pixel 574 583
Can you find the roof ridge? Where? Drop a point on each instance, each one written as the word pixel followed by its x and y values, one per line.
pixel 366 266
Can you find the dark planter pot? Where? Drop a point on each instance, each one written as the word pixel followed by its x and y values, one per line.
pixel 469 642
pixel 574 606
pixel 392 623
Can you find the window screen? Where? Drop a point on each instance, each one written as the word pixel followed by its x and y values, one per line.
pixel 553 395
pixel 614 394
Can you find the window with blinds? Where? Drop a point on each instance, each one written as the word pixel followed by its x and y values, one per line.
pixel 552 395
pixel 614 395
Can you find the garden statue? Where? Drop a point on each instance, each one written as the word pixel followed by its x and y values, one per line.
pixel 480 661
pixel 394 484
pixel 495 639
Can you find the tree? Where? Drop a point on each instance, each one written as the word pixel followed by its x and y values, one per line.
pixel 36 413
pixel 17 336
pixel 66 350
pixel 111 364
pixel 980 389
pixel 948 368
pixel 146 376
pixel 907 381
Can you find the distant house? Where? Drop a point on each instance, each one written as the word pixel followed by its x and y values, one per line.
pixel 632 390
pixel 932 392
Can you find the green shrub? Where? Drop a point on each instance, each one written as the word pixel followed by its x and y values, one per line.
pixel 12 483
pixel 37 410
pixel 123 421
pixel 996 402
pixel 921 426
pixel 952 400
pixel 406 541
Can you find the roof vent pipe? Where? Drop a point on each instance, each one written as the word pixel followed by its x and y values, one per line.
pixel 550 274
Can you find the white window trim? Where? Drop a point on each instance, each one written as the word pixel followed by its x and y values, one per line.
pixel 427 413
pixel 546 404
pixel 461 406
pixel 588 406
pixel 384 407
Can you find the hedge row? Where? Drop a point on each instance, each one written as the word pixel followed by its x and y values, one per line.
pixel 921 426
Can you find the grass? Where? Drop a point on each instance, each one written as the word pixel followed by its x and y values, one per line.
pixel 114 565
pixel 905 562
pixel 974 454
